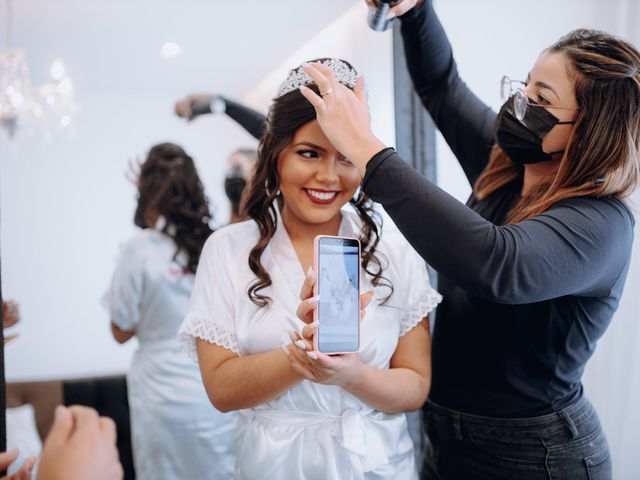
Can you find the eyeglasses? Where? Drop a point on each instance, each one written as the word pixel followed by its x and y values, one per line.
pixel 520 101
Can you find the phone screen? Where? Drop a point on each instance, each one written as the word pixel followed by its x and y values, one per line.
pixel 339 290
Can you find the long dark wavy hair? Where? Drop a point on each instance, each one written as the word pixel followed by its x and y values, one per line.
pixel 287 114
pixel 602 156
pixel 169 185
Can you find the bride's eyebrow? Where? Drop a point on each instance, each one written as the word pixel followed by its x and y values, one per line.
pixel 309 144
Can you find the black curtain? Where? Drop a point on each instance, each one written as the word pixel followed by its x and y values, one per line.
pixel 3 392
pixel 416 144
pixel 415 131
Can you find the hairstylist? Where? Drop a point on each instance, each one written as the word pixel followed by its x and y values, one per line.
pixel 533 266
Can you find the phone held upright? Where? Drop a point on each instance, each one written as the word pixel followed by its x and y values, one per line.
pixel 337 266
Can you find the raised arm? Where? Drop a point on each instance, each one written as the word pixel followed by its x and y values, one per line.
pixel 197 104
pixel 251 120
pixel 579 246
pixel 464 120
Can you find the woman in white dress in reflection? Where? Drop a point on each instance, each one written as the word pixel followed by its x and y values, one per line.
pixel 176 433
pixel 296 420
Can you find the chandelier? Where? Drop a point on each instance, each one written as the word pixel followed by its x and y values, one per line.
pixel 24 107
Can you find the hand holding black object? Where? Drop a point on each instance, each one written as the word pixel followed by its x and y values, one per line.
pixel 194 105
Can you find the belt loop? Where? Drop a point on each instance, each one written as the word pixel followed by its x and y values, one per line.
pixel 456 427
pixel 570 423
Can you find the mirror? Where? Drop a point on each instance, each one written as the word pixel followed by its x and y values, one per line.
pixel 66 205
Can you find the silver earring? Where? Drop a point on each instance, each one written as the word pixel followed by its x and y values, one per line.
pixel 266 189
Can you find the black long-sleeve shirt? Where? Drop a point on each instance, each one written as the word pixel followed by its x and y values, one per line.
pixel 251 120
pixel 524 304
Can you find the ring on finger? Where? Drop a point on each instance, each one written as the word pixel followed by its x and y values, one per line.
pixel 327 92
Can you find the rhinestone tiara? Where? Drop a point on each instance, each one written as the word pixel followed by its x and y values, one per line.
pixel 297 77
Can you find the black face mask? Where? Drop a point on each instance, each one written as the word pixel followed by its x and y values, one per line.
pixel 233 187
pixel 522 140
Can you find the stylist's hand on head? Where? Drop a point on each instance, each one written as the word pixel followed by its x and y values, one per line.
pixel 400 9
pixel 80 446
pixel 343 115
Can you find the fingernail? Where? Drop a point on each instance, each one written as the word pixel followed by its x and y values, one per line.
pixel 313 355
pixel 313 325
pixel 309 272
pixel 58 412
pixel 313 300
pixel 285 349
pixel 292 335
pixel 300 344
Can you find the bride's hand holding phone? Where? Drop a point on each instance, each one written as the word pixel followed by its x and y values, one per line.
pixel 309 304
pixel 313 365
pixel 342 370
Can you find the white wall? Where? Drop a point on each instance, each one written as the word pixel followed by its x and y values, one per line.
pixel 66 205
pixel 499 37
pixel 369 52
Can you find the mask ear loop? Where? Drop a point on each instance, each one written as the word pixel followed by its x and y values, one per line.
pixel 562 123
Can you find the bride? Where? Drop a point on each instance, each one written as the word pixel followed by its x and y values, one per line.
pixel 305 414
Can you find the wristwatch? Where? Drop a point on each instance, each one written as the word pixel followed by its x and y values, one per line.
pixel 218 105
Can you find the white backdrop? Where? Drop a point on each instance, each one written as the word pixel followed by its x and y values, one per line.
pixel 65 205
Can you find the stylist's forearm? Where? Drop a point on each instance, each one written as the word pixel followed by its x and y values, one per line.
pixel 363 151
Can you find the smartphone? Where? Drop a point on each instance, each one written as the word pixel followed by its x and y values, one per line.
pixel 337 267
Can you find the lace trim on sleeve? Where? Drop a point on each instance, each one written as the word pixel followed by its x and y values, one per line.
pixel 425 304
pixel 197 327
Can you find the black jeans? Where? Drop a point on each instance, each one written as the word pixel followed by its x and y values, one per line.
pixel 568 444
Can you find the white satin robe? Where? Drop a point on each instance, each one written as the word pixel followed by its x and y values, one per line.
pixel 176 433
pixel 312 431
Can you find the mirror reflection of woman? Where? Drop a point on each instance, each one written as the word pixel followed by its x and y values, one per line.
pixel 533 267
pixel 176 434
pixel 304 414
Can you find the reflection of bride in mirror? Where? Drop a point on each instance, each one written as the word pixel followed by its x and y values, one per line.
pixel 176 434
pixel 291 424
